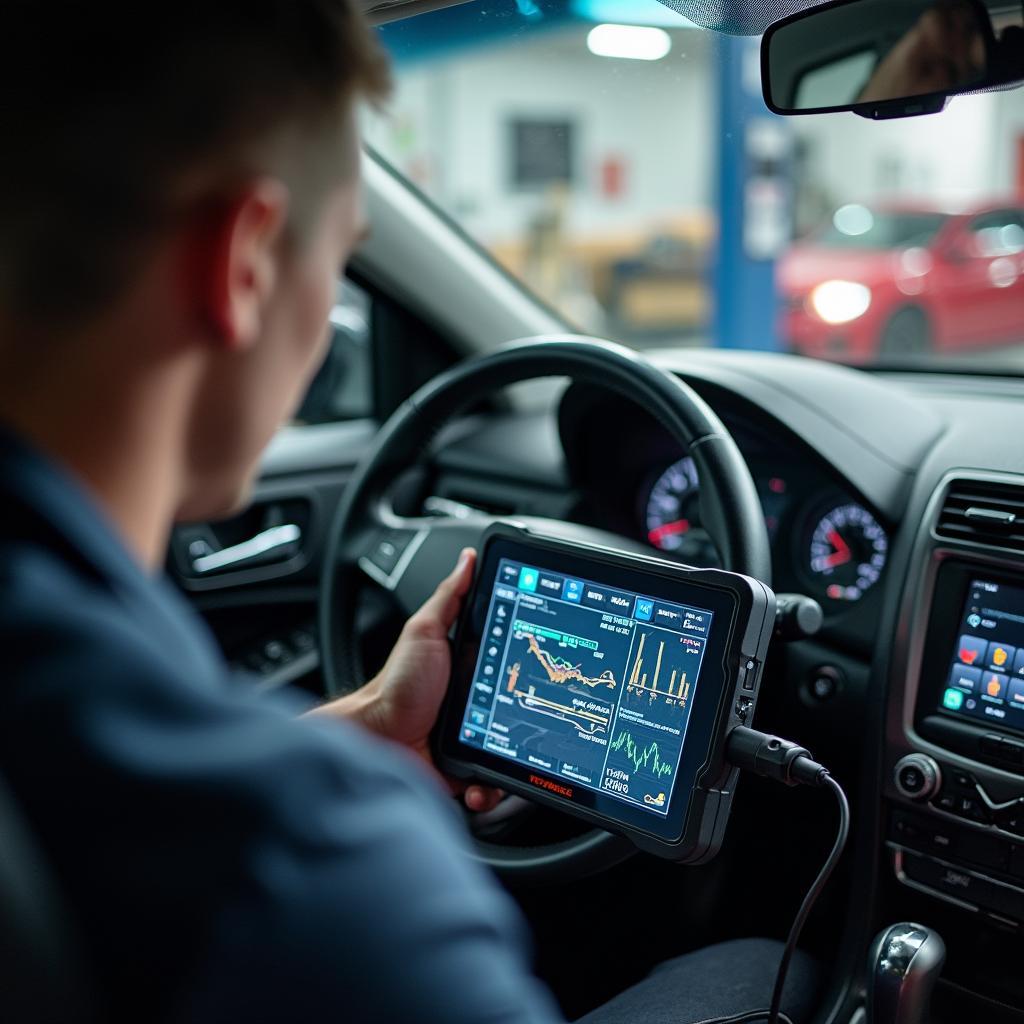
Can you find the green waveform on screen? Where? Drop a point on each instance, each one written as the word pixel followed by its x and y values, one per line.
pixel 642 758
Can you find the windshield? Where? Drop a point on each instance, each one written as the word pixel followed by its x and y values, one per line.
pixel 620 162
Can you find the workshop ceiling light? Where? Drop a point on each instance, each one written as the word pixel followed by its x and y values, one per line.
pixel 629 42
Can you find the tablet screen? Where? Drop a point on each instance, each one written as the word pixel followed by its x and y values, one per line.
pixel 585 684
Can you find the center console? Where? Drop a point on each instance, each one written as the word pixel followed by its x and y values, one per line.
pixel 954 791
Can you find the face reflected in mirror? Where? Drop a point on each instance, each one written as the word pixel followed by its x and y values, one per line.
pixel 945 50
pixel 871 52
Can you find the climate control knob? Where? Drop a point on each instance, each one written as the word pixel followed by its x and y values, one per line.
pixel 917 777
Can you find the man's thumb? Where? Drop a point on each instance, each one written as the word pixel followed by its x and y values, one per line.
pixel 446 600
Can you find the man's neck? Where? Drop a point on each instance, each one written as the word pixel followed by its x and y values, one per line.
pixel 117 429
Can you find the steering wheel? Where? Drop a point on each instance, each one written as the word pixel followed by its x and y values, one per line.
pixel 409 556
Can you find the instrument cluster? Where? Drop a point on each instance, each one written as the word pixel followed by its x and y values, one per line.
pixel 828 544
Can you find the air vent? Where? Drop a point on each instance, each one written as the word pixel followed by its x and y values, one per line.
pixel 983 512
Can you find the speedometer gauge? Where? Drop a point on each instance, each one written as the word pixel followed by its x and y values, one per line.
pixel 848 551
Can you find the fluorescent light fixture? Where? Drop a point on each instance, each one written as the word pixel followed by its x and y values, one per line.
pixel 629 42
pixel 841 302
pixel 630 12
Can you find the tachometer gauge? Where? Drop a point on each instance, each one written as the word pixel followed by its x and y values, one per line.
pixel 848 551
pixel 672 505
pixel 672 515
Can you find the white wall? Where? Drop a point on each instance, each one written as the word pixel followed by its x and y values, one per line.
pixel 449 130
pixel 1009 129
pixel 961 156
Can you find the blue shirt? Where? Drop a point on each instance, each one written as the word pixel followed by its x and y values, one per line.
pixel 222 859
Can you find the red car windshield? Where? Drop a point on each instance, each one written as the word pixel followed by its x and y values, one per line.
pixel 857 227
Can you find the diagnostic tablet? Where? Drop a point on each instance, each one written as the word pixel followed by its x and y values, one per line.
pixel 605 684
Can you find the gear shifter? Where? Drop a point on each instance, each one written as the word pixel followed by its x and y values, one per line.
pixel 905 963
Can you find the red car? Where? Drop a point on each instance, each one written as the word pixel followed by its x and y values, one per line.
pixel 904 280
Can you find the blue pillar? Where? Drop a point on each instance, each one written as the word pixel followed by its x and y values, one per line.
pixel 754 201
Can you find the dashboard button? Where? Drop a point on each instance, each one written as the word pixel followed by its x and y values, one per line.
pixel 963 780
pixel 275 651
pixel 946 802
pixel 917 776
pixel 969 807
pixel 944 841
pixel 823 683
pixel 823 687
pixel 389 549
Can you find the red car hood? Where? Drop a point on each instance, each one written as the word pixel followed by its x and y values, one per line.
pixel 805 266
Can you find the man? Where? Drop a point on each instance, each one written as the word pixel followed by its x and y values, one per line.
pixel 177 198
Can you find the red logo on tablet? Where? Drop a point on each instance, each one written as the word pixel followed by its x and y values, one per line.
pixel 967 656
pixel 551 787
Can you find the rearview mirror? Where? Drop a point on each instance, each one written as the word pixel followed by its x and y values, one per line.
pixel 890 58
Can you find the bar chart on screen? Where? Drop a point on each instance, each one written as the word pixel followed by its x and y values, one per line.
pixel 662 669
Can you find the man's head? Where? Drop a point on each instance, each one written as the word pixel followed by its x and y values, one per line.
pixel 183 177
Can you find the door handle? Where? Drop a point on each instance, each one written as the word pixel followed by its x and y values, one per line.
pixel 238 554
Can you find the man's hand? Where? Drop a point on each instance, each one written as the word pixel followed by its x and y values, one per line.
pixel 402 702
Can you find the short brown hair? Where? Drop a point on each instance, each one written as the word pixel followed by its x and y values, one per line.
pixel 105 108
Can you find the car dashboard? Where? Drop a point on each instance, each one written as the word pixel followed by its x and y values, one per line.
pixel 893 501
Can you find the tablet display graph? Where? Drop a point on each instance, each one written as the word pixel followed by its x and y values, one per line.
pixel 662 668
pixel 545 682
pixel 586 682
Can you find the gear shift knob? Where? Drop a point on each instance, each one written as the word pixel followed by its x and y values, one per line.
pixel 905 963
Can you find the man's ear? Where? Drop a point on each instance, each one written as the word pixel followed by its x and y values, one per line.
pixel 239 261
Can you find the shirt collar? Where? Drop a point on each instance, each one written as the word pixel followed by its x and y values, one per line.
pixel 42 487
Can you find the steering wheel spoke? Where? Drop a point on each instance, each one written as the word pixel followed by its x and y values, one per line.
pixel 409 558
pixel 384 552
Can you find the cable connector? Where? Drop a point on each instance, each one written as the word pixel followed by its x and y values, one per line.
pixel 774 758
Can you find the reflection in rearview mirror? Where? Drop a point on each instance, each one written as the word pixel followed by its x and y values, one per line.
pixel 891 58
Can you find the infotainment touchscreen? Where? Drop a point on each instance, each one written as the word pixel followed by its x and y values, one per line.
pixel 606 683
pixel 986 673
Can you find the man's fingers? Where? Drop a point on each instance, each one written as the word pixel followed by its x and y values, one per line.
pixel 482 798
pixel 477 798
pixel 445 602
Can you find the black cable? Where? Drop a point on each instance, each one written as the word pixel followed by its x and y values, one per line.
pixel 786 762
pixel 812 895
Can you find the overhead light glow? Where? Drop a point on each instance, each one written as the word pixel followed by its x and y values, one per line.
pixel 841 302
pixel 630 12
pixel 629 42
pixel 854 220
